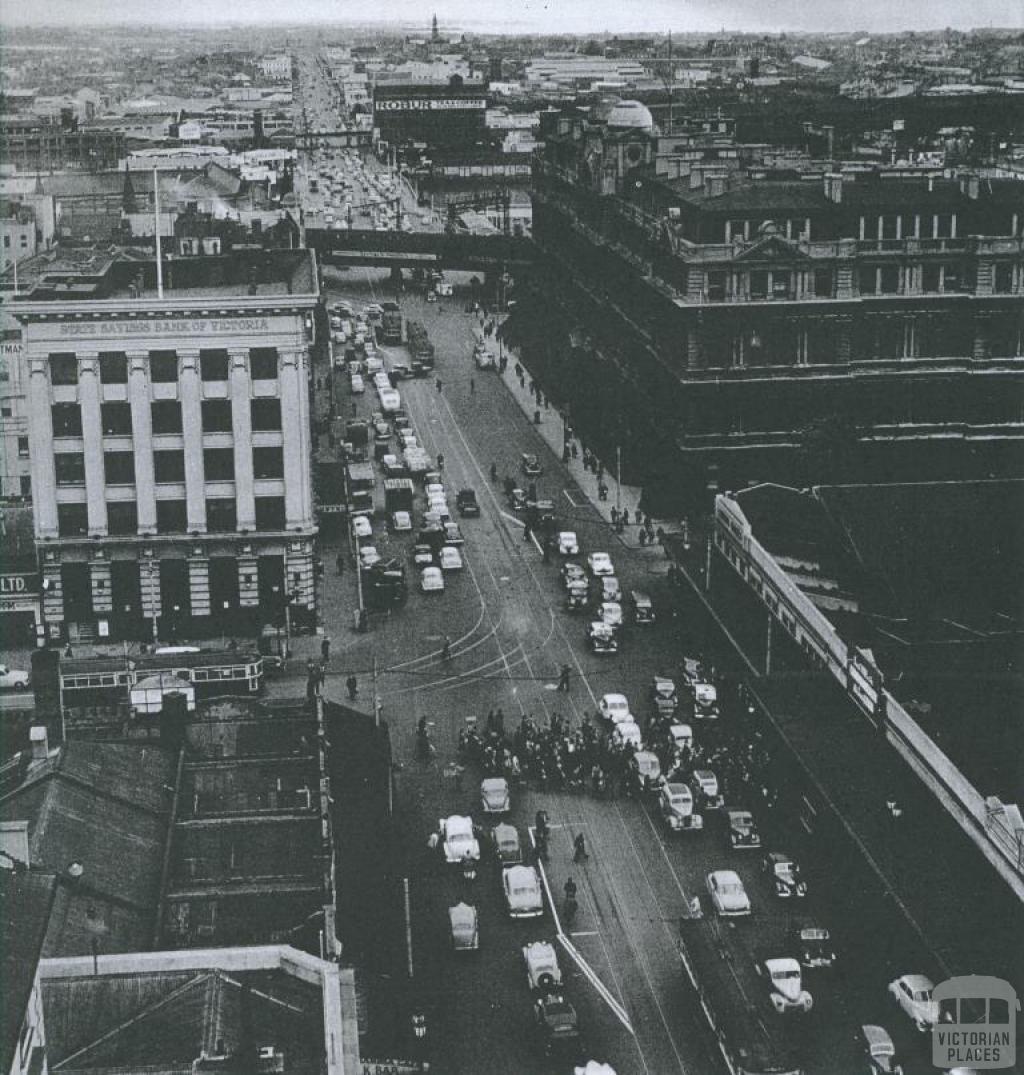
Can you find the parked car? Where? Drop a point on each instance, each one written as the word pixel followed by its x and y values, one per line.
pixel 601 638
pixel 452 534
pixel 600 563
pixel 458 839
pixel 728 896
pixel 913 995
pixel 531 465
pixel 675 801
pixel 814 945
pixel 466 505
pixel 567 543
pixel 494 795
pixel 558 1024
pixel 627 731
pixel 431 580
pixel 664 696
pixel 13 678
pixel 542 970
pixel 522 888
pixel 401 522
pixel 644 772
pixel 743 832
pixel 785 984
pixel 465 927
pixel 362 527
pixel 507 845
pixel 880 1051
pixel 614 707
pixel 785 876
pixel 451 558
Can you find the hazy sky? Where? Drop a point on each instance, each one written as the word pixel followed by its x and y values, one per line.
pixel 540 15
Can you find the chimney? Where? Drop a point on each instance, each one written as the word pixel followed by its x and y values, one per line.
pixel 834 187
pixel 40 742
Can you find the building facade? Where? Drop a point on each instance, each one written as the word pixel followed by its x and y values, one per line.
pixel 170 445
pixel 15 477
pixel 435 115
pixel 726 313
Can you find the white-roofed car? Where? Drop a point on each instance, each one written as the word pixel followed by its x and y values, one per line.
pixel 645 772
pixel 368 556
pixel 611 614
pixel 706 793
pixel 390 400
pixel 785 981
pixel 681 736
pixel 542 970
pixel 728 896
pixel 600 563
pixel 13 679
pixel 785 876
pixel 664 696
pixel 464 924
pixel 675 800
pixel 494 796
pixel 450 558
pixel 433 489
pixel 362 527
pixel 507 846
pixel 627 731
pixel 614 707
pixel 524 897
pixel 913 994
pixel 601 638
pixel 458 839
pixel 401 522
pixel 431 580
pixel 567 543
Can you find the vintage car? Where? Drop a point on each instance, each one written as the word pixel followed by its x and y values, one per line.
pixel 681 736
pixel 401 522
pixel 507 845
pixel 611 614
pixel 524 897
pixel 785 876
pixel 614 707
pixel 641 607
pixel 422 555
pixel 645 772
pixel 675 801
pixel 494 796
pixel 600 564
pixel 483 358
pixel 664 696
pixel 785 984
pixel 704 785
pixel 450 558
pixel 557 1023
pixel 431 580
pixel 880 1051
pixel 433 489
pixel 452 534
pixel 728 896
pixel 913 994
pixel 458 839
pixel 742 830
pixel 14 679
pixel 601 638
pixel 705 694
pixel 362 528
pixel 542 970
pixel 393 467
pixel 530 465
pixel 608 589
pixel 627 732
pixel 577 598
pixel 573 573
pixel 517 500
pixel 464 924
pixel 368 555
pixel 466 504
pixel 814 945
pixel 567 543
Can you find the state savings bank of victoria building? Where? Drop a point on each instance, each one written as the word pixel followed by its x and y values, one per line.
pixel 170 443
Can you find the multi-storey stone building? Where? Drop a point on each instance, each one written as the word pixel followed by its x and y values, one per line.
pixel 170 442
pixel 717 314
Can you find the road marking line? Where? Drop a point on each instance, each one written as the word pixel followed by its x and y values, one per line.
pixel 588 972
pixel 565 493
pixel 584 933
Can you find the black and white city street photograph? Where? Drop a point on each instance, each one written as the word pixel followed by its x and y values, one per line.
pixel 511 537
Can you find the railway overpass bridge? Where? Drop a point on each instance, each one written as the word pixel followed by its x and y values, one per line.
pixel 421 250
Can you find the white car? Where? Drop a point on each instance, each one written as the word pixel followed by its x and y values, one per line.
pixel 434 489
pixel 390 401
pixel 458 839
pixel 431 580
pixel 484 359
pixel 681 736
pixel 494 796
pixel 542 969
pixel 615 707
pixel 627 731
pixel 728 896
pixel 600 563
pixel 785 980
pixel 611 614
pixel 913 994
pixel 451 558
pixel 362 527
pixel 13 678
pixel 676 804
pixel 567 543
pixel 368 556
pixel 401 522
pixel 524 897
pixel 357 385
pixel 380 379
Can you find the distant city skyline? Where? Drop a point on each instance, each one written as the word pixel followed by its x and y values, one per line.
pixel 538 16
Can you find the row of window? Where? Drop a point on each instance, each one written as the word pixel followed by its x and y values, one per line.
pixel 171 516
pixel 163 366
pixel 168 466
pixel 116 417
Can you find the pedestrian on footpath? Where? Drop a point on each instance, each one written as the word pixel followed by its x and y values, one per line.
pixel 352 686
pixel 625 516
pixel 574 449
pixel 325 649
pixel 566 454
pixel 615 517
pixel 643 537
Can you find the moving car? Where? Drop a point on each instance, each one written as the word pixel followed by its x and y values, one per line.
pixel 567 543
pixel 675 801
pixel 608 589
pixel 458 839
pixel 531 465
pixel 422 556
pixel 578 597
pixel 785 982
pixel 13 678
pixel 785 876
pixel 523 895
pixel 814 945
pixel 664 696
pixel 728 896
pixel 494 796
pixel 542 970
pixel 611 614
pixel 558 1023
pixel 452 534
pixel 507 845
pixel 464 924
pixel 431 580
pixel 641 606
pixel 743 832
pixel 600 563
pixel 614 707
pixel 645 772
pixel 627 731
pixel 601 638
pixel 466 505
pixel 401 522
pixel 913 995
pixel 450 558
pixel 573 572
pixel 704 785
pixel 880 1051
pixel 357 385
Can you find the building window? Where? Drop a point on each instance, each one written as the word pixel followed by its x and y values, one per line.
pixel 69 468
pixel 113 367
pixel 216 416
pixel 166 416
pixel 759 284
pixel 6 410
pixel 169 466
pixel 953 278
pixel 931 278
pixel 163 367
pixel 268 462
pixel 263 362
pixel 219 464
pixel 72 520
pixel 214 365
pixel 67 419
pixel 119 468
pixel 943 225
pixel 64 368
pixel 171 516
pixel 823 283
pixel 116 419
pixel 1002 278
pixel 270 513
pixel 889 279
pixel 23 447
pixel 221 517
pixel 867 280
pixel 266 414
pixel 122 517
